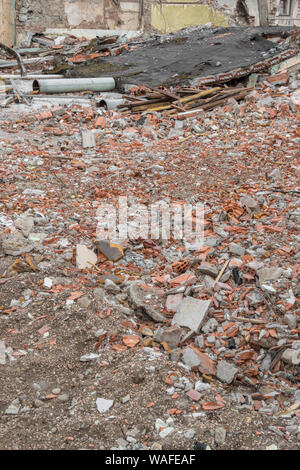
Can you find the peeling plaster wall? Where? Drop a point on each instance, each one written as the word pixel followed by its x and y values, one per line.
pixel 38 15
pixel 169 17
pixel 81 12
pixel 162 15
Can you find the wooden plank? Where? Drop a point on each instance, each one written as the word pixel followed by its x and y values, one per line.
pixel 198 95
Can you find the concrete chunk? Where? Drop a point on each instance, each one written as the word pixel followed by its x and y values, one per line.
pixel 269 274
pixel 25 224
pixel 190 357
pixel 88 139
pixel 173 301
pixel 236 249
pixel 191 313
pixel 291 356
pixel 171 335
pixel 84 257
pixel 138 298
pixel 2 352
pixel 103 404
pixel 209 269
pixel 226 372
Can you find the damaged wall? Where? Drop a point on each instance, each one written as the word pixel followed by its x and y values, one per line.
pixel 38 15
pixel 162 15
pixel 171 15
pixel 284 12
pixel 168 15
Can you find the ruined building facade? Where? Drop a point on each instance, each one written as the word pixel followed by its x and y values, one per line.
pixel 19 16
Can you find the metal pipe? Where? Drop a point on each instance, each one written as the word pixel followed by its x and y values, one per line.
pixel 16 55
pixel 110 103
pixel 66 85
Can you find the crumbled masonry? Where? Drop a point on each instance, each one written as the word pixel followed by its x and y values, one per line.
pixel 151 343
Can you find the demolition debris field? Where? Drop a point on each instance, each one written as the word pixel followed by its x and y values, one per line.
pixel 151 344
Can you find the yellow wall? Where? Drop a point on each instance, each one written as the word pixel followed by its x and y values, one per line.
pixel 168 18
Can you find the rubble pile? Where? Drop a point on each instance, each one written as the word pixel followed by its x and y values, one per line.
pixel 152 343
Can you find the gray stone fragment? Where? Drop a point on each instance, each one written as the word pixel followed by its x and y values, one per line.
pixel 2 352
pixel 276 430
pixel 199 341
pixel 38 403
pixel 201 386
pixel 89 357
pixel 268 289
pixel 16 244
pixel 175 355
pixel 297 396
pixel 171 335
pixel 191 313
pixel 290 320
pixel 291 356
pixel 220 435
pixel 98 293
pixel 236 249
pixel 226 372
pixel 166 432
pixel 268 274
pixel 210 326
pixel 84 301
pixel 272 447
pixel 190 434
pixel 210 339
pixel 13 408
pixel 111 287
pixel 226 276
pixel 266 101
pixel 122 443
pixel 209 269
pixel 64 397
pixel 255 265
pixel 254 298
pixel 212 241
pixel 291 429
pixel 275 174
pixel 103 404
pixel 266 363
pixel 88 138
pixel 191 358
pixel 208 282
pixel 25 224
pixel 125 399
pixel 250 203
pixel 137 298
pixel 221 232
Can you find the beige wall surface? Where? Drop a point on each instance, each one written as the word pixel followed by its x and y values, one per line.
pixel 7 20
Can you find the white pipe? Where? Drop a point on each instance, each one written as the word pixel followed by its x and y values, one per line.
pixel 66 85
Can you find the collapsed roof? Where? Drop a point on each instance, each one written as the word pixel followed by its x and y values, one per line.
pixel 190 54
